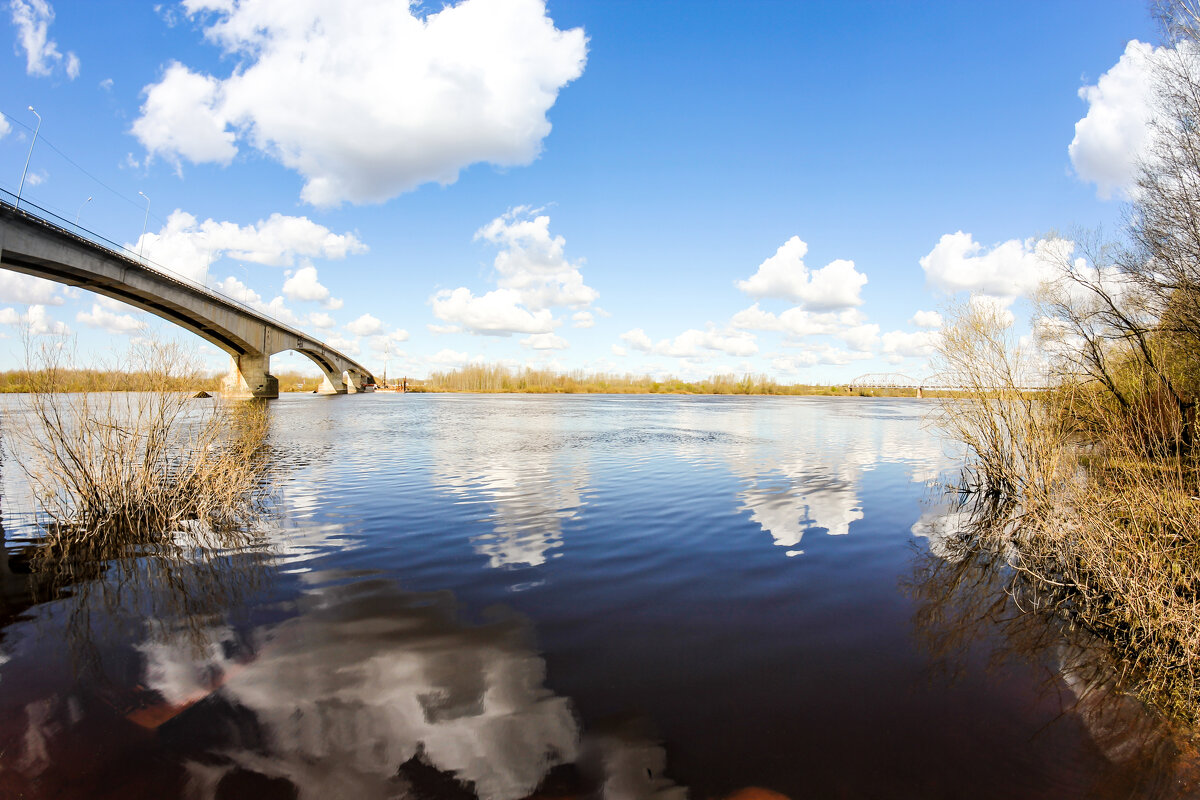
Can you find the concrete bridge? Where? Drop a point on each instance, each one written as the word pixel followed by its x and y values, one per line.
pixel 35 246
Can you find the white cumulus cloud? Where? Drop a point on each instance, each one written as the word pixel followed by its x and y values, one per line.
pixel 366 325
pixel 1010 269
pixel 448 358
pixel 497 313
pixel 533 276
pixel 1116 131
pixel 818 355
pixel 180 119
pixel 303 285
pixel 276 308
pixel 18 288
pixel 786 276
pixel 532 262
pixel 694 343
pixel 798 322
pixel 32 20
pixel 927 319
pixel 860 338
pixel 36 321
pixel 369 99
pixel 321 320
pixel 187 246
pixel 914 344
pixel 545 341
pixel 637 339
pixel 100 317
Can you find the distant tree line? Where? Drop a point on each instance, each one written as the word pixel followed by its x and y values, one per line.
pixel 500 379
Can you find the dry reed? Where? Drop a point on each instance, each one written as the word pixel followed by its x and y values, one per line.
pixel 1095 503
pixel 117 474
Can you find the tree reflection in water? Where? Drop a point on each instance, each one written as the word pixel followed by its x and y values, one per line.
pixel 967 591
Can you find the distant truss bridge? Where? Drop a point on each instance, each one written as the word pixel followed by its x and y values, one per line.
pixel 890 380
pixel 899 380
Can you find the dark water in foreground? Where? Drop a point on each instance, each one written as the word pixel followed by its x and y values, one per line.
pixel 641 595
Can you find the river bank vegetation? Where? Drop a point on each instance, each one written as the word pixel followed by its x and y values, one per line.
pixel 129 485
pixel 1091 490
pixel 500 379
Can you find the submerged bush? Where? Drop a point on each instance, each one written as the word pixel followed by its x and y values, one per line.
pixel 1094 500
pixel 150 497
pixel 113 471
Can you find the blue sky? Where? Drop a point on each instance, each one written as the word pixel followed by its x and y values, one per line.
pixel 667 187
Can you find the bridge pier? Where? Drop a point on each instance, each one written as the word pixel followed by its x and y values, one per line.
pixel 249 378
pixel 332 384
pixel 354 382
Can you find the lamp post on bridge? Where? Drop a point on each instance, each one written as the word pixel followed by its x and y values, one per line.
pixel 21 188
pixel 80 211
pixel 146 221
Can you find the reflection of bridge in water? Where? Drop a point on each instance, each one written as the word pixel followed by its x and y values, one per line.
pixel 49 247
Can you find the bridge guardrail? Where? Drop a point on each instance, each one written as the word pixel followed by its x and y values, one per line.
pixel 9 201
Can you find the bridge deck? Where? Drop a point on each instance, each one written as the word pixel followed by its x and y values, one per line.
pixel 34 245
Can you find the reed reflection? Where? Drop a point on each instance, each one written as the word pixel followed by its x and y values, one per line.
pixel 165 563
pixel 968 591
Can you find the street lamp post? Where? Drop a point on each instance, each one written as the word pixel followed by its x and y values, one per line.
pixel 80 211
pixel 142 238
pixel 21 188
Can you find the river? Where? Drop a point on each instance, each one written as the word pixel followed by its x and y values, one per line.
pixel 456 595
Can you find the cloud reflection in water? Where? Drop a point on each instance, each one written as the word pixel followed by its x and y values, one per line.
pixel 369 676
pixel 518 466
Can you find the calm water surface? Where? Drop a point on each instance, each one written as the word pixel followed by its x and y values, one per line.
pixel 666 596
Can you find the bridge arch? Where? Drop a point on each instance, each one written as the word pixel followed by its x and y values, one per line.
pixel 34 246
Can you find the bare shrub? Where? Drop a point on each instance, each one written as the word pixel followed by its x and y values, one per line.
pixel 113 473
pixel 1000 407
pixel 1095 515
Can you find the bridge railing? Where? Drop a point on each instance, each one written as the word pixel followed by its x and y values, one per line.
pixel 48 218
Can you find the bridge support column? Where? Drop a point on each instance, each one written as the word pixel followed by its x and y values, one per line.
pixel 354 382
pixel 250 377
pixel 332 384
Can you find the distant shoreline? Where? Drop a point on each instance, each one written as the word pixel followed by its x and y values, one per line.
pixel 496 379
pixel 815 392
pixel 491 380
